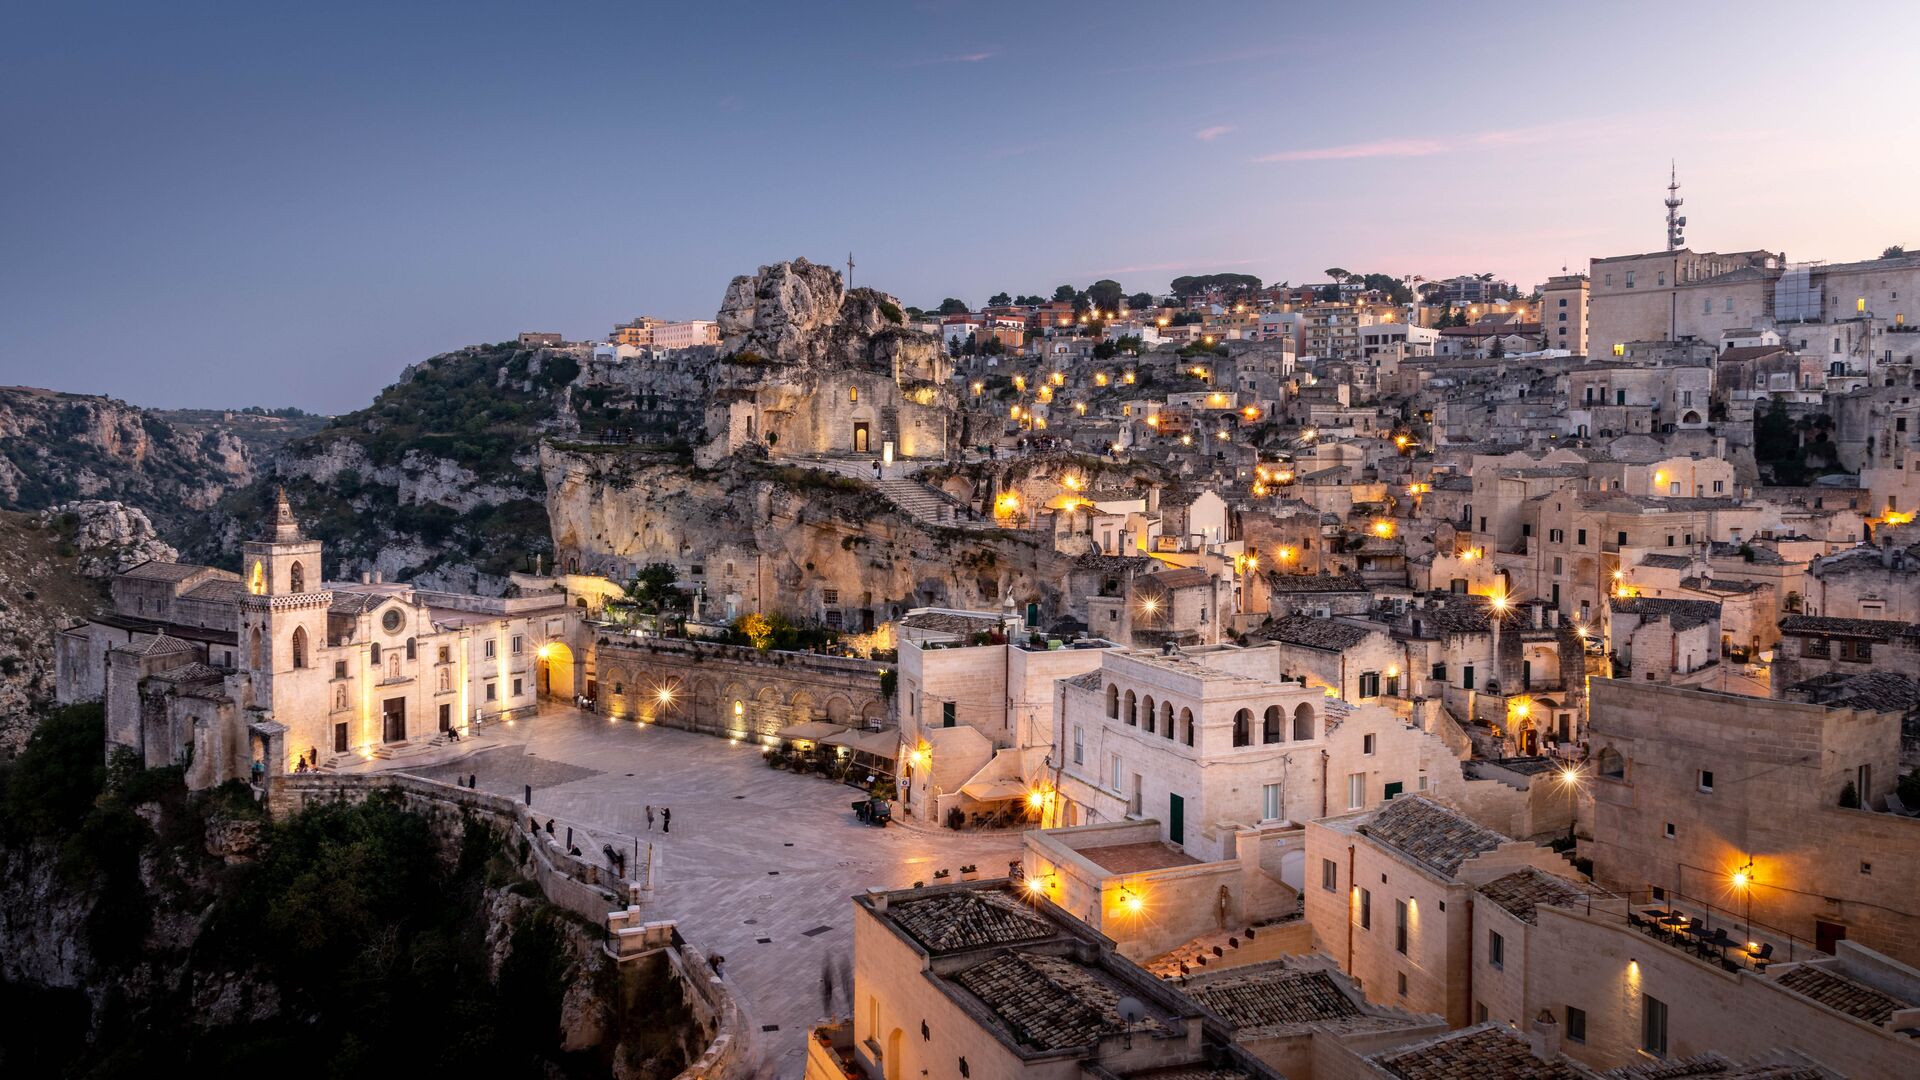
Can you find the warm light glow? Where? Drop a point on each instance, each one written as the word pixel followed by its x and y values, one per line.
pixel 1059 378
pixel 977 387
pixel 543 651
pixel 1400 441
pixel 1894 517
pixel 1150 605
pixel 1383 528
pixel 1520 708
pixel 1007 504
pixel 664 696
pixel 1618 574
pixel 1163 320
pixel 1080 408
pixel 1036 798
pixel 1250 413
pixel 1259 489
pixel 1286 554
pixel 1100 378
pixel 1127 378
pixel 1019 382
pixel 1035 885
pixel 1186 440
pixel 1222 436
pixel 1309 434
pixel 1153 421
pixel 1740 879
pixel 1569 775
pixel 917 757
pixel 1073 481
pixel 1499 601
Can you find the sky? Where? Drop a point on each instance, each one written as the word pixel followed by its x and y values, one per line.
pixel 273 204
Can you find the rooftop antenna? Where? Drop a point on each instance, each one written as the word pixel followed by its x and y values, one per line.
pixel 1131 1011
pixel 1675 222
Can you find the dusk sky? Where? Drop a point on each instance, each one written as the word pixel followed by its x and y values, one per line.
pixel 254 203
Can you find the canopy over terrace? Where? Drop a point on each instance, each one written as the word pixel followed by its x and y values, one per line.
pixel 809 732
pixel 873 750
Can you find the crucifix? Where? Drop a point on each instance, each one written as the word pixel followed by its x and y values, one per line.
pixel 849 269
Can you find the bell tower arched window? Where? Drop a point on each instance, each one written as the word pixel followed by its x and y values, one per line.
pixel 296 577
pixel 299 643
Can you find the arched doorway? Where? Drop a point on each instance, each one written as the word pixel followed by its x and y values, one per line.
pixel 556 670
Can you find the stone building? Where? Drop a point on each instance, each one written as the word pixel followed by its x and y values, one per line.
pixel 1714 796
pixel 276 665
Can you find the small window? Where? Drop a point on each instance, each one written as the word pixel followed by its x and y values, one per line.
pixel 516 688
pixel 486 648
pixel 1576 1025
pixel 519 644
pixel 1356 790
pixel 1270 802
pixel 446 654
pixel 1329 875
pixel 1366 745
pixel 1366 910
pixel 1400 926
pixel 948 716
pixel 1706 780
pixel 1466 677
pixel 1403 983
pixel 493 692
pixel 1580 537
pixel 339 669
pixel 1496 951
pixel 1653 1025
pixel 1479 1012
pixel 1671 834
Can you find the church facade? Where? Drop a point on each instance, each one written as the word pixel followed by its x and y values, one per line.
pixel 215 671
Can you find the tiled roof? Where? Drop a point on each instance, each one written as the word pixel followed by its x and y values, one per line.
pixel 1191 577
pixel 1086 680
pixel 1049 1002
pixel 1270 998
pixel 155 570
pixel 1458 615
pixel 1667 562
pixel 1680 614
pixel 1486 1052
pixel 1877 629
pixel 969 919
pixel 221 590
pixel 1713 1065
pixel 1318 583
pixel 1841 993
pixel 354 603
pixel 160 645
pixel 1523 890
pixel 1430 834
pixel 1749 352
pixel 195 672
pixel 1875 691
pixel 1764 556
pixel 950 622
pixel 1315 633
pixel 1721 585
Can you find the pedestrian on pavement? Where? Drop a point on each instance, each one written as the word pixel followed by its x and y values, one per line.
pixel 649 817
pixel 666 819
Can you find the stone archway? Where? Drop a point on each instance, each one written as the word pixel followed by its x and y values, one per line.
pixel 556 671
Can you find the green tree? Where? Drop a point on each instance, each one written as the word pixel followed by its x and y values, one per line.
pixel 1336 273
pixel 950 306
pixel 1065 292
pixel 653 585
pixel 1140 301
pixel 1776 444
pixel 757 630
pixel 999 298
pixel 1106 294
pixel 1499 347
pixel 1893 251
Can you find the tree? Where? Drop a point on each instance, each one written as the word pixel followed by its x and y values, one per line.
pixel 1106 294
pixel 1330 294
pixel 1893 251
pixel 998 299
pixel 756 628
pixel 950 306
pixel 653 585
pixel 1029 301
pixel 1499 347
pixel 1105 350
pixel 1336 273
pixel 1065 292
pixel 1776 445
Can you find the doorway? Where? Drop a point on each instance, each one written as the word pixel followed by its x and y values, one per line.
pixel 393 714
pixel 1828 936
pixel 859 436
pixel 1177 819
pixel 446 718
pixel 340 738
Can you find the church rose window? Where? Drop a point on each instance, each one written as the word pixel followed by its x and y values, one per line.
pixel 391 620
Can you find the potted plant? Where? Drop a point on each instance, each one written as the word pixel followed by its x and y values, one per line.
pixel 970 872
pixel 942 874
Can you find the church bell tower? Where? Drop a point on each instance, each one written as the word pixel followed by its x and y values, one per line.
pixel 283 627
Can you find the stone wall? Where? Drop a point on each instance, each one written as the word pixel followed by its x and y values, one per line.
pixel 732 690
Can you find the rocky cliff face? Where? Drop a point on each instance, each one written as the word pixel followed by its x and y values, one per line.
pixel 42 589
pixel 56 448
pixel 797 313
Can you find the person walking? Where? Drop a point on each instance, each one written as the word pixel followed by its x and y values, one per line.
pixel 649 817
pixel 666 819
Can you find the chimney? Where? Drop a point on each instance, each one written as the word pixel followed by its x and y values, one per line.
pixel 878 899
pixel 376 577
pixel 1545 1037
pixel 366 578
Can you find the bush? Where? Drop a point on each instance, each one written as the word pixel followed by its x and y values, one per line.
pixel 1850 796
pixel 54 784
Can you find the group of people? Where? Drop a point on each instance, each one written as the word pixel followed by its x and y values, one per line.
pixel 666 818
pixel 582 701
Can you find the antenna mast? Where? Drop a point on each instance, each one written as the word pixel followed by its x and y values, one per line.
pixel 1675 222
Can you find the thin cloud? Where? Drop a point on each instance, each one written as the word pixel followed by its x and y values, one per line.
pixel 976 57
pixel 1377 149
pixel 1208 134
pixel 1145 268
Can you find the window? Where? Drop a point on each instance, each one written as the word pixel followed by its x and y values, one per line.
pixel 1366 910
pixel 1580 537
pixel 1329 875
pixel 947 714
pixel 1496 951
pixel 1270 802
pixel 1576 1025
pixel 1369 685
pixel 1629 279
pixel 1366 745
pixel 1706 781
pixel 1466 677
pixel 493 692
pixel 1556 536
pixel 1813 646
pixel 1079 744
pixel 446 654
pixel 1719 486
pixel 1670 831
pixel 299 646
pixel 1113 770
pixel 830 596
pixel 1856 651
pixel 1440 672
pixel 516 688
pixel 339 669
pixel 1653 1025
pixel 486 648
pixel 1402 984
pixel 1356 790
pixel 1622 538
pixel 1673 488
pixel 373 653
pixel 410 648
pixel 519 645
pixel 1400 927
pixel 1479 1012
pixel 853 394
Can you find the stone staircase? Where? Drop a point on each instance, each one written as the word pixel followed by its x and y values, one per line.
pixel 918 500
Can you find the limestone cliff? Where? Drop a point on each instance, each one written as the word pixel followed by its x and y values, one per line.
pixel 174 465
pixel 42 589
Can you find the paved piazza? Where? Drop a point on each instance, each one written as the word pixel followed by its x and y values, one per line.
pixel 760 863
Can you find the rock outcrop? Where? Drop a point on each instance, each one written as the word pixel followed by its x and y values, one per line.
pixel 41 591
pixel 110 537
pixel 798 313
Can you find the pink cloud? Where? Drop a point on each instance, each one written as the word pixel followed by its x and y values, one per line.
pixel 1208 134
pixel 1380 148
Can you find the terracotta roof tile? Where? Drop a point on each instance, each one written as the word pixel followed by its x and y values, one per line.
pixel 1841 993
pixel 1431 834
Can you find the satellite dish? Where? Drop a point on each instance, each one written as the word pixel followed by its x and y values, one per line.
pixel 1131 1010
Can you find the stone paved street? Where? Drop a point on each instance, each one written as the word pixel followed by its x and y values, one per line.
pixel 759 866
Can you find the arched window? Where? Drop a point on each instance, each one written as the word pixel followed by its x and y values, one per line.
pixel 375 658
pixel 1270 726
pixel 1612 765
pixel 1166 718
pixel 297 577
pixel 1133 712
pixel 1146 720
pixel 1186 725
pixel 410 648
pixel 1243 728
pixel 253 649
pixel 299 646
pixel 1303 722
pixel 1113 701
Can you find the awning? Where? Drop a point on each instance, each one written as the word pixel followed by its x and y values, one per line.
pixel 810 731
pixel 1006 787
pixel 881 744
